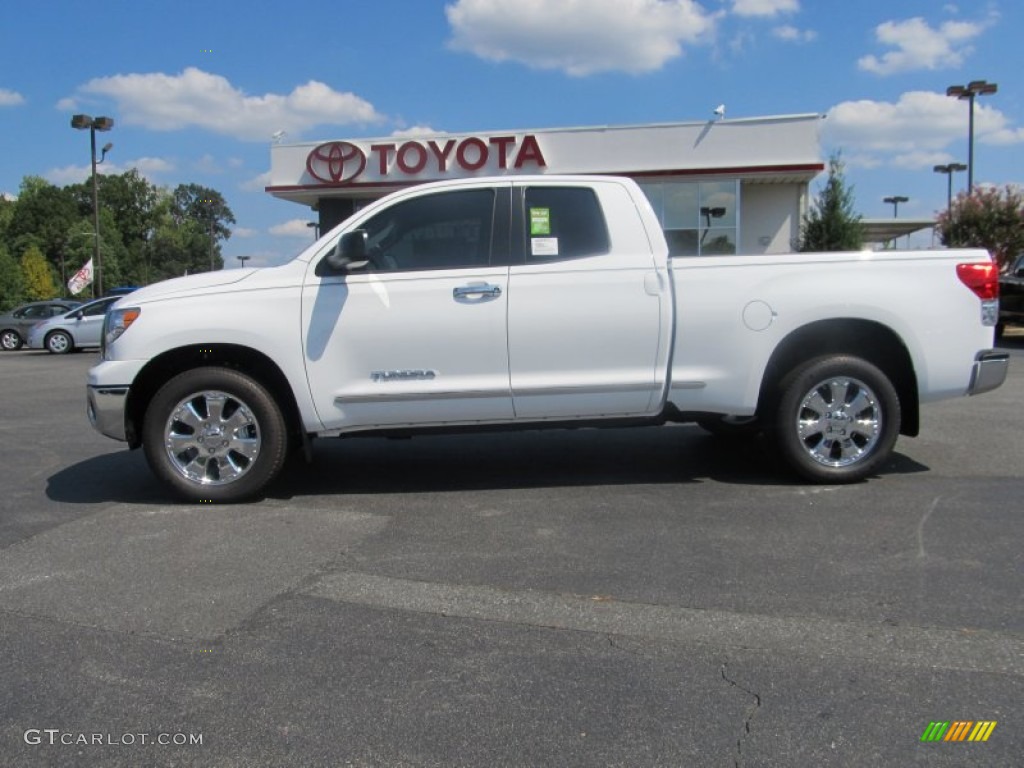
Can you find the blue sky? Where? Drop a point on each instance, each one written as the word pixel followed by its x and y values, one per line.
pixel 198 88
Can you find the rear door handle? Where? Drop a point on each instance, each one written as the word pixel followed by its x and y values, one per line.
pixel 477 290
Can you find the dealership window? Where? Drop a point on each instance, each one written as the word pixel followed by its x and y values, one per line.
pixel 698 218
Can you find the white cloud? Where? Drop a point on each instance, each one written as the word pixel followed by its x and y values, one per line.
pixel 76 174
pixel 791 34
pixel 293 228
pixel 580 37
pixel 918 46
pixel 207 164
pixel 8 197
pixel 244 232
pixel 67 104
pixel 917 161
pixel 150 165
pixel 921 125
pixel 199 99
pixel 10 98
pixel 414 131
pixel 764 7
pixel 256 183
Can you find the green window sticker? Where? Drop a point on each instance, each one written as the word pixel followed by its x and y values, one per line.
pixel 540 221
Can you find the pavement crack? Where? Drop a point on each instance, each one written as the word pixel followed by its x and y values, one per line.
pixel 751 712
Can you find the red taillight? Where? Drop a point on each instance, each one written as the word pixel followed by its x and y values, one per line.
pixel 982 278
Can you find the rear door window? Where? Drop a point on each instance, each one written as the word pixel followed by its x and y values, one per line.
pixel 563 223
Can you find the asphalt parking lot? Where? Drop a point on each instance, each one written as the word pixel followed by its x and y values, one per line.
pixel 643 597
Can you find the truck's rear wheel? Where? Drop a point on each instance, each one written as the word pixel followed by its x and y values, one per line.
pixel 214 434
pixel 837 419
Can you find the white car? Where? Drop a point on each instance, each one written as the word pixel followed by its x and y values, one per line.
pixel 81 327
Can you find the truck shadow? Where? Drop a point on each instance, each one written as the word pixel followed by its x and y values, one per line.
pixel 452 463
pixel 642 456
pixel 121 476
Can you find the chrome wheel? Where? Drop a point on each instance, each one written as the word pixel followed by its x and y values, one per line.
pixel 836 419
pixel 212 438
pixel 839 421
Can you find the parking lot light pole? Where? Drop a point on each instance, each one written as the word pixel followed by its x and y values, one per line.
pixel 81 122
pixel 243 259
pixel 949 169
pixel 967 93
pixel 895 200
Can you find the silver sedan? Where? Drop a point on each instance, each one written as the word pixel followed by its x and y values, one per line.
pixel 81 327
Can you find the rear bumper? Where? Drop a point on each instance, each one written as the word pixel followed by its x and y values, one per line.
pixel 989 371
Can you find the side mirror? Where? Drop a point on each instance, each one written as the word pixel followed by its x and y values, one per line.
pixel 79 315
pixel 349 253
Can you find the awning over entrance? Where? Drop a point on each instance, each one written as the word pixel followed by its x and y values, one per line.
pixel 887 230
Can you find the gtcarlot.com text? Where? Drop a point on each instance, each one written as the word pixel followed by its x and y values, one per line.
pixel 55 737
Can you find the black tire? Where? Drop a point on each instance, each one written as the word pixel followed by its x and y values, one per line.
pixel 59 343
pixel 214 435
pixel 731 427
pixel 829 444
pixel 10 340
pixel 1000 330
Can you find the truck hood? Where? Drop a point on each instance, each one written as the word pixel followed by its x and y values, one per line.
pixel 187 285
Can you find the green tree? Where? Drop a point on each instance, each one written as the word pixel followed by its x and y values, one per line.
pixel 989 218
pixel 115 260
pixel 38 276
pixel 831 224
pixel 130 197
pixel 177 247
pixel 12 282
pixel 6 212
pixel 195 203
pixel 41 217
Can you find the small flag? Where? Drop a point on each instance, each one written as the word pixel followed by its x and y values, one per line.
pixel 81 279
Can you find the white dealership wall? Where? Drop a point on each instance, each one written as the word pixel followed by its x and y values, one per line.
pixel 773 160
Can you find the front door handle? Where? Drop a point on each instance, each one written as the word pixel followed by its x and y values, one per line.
pixel 477 290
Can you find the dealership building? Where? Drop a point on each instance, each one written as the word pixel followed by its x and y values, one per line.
pixel 720 186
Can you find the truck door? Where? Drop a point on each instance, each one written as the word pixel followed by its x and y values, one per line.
pixel 417 336
pixel 589 313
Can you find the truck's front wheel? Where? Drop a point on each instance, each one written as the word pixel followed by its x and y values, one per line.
pixel 214 434
pixel 837 419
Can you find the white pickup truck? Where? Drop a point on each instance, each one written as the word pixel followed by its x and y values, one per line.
pixel 537 301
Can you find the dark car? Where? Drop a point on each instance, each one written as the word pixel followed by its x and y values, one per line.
pixel 14 325
pixel 1011 297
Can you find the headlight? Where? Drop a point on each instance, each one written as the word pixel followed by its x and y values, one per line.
pixel 116 322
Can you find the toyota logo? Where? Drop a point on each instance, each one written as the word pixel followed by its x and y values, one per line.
pixel 336 162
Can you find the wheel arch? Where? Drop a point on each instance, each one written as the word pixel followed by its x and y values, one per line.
pixel 243 359
pixel 867 339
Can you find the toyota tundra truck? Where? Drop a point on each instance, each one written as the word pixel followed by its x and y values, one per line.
pixel 548 301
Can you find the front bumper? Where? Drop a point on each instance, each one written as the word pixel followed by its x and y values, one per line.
pixel 989 371
pixel 106 409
